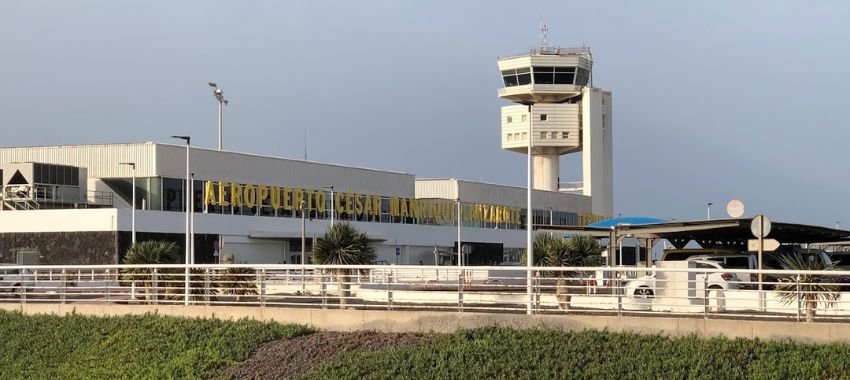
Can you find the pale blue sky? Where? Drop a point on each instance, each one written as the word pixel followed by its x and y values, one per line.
pixel 712 100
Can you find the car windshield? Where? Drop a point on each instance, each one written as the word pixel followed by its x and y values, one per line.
pixel 742 262
pixel 840 258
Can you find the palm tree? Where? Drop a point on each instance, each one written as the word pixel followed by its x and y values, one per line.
pixel 807 290
pixel 146 253
pixel 343 244
pixel 577 251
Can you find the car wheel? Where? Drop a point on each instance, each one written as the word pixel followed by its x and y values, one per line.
pixel 644 292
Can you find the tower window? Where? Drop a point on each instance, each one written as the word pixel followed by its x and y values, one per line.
pixel 565 135
pixel 517 77
pixel 543 117
pixel 542 135
pixel 510 119
pixel 524 117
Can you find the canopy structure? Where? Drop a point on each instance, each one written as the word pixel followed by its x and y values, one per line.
pixel 627 220
pixel 708 233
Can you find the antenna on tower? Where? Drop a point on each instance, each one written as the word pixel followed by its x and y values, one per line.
pixel 544 35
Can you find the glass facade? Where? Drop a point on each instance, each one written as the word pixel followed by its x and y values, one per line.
pixel 167 194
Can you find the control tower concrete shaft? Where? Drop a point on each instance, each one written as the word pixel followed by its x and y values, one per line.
pixel 553 92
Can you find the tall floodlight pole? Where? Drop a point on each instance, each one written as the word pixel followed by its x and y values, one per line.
pixel 188 247
pixel 333 205
pixel 708 210
pixel 459 244
pixel 132 166
pixel 219 96
pixel 303 236
pixel 529 217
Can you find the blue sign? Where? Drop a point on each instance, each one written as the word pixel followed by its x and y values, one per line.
pixel 398 251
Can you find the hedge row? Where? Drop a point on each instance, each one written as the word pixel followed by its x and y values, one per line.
pixel 544 354
pixel 153 347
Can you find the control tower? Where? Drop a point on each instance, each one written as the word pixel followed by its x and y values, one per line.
pixel 554 92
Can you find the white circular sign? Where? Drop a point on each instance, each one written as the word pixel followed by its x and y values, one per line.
pixel 760 227
pixel 735 208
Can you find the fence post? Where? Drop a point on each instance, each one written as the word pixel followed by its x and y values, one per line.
pixel 619 277
pixel 207 284
pixel 799 300
pixel 705 296
pixel 323 289
pixel 62 286
pixel 261 275
pixel 390 290
pixel 460 291
pixel 107 285
pixel 155 286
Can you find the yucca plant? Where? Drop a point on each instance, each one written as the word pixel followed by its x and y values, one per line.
pixel 807 289
pixel 148 253
pixel 342 244
pixel 551 250
pixel 237 282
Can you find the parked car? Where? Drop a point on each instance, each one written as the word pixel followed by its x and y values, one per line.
pixel 645 287
pixel 11 280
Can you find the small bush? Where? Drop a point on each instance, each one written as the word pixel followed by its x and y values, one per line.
pixel 149 346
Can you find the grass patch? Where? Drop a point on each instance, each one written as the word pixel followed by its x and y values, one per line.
pixel 500 353
pixel 148 346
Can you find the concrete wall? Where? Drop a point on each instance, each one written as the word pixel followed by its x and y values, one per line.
pixel 62 248
pixel 430 321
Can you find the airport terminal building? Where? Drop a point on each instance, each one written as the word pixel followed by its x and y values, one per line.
pixel 72 205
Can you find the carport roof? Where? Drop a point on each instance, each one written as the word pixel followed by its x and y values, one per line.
pixel 733 232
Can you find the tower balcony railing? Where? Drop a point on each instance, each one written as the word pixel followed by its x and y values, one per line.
pixel 571 187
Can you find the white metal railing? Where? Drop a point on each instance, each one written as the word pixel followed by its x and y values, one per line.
pixel 606 290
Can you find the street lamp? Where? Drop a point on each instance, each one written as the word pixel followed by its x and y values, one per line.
pixel 529 217
pixel 333 205
pixel 188 141
pixel 132 166
pixel 708 210
pixel 219 96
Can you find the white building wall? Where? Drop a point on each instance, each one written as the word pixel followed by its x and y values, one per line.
pixel 210 164
pixel 597 151
pixel 68 220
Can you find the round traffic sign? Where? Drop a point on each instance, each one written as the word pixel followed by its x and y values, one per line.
pixel 735 208
pixel 760 227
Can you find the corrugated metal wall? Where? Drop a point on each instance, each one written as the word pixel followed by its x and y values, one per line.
pixel 100 160
pixel 436 188
pixel 486 193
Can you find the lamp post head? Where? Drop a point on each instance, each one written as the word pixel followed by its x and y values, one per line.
pixel 213 85
pixel 131 164
pixel 187 139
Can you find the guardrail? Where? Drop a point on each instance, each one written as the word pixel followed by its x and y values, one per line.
pixel 801 295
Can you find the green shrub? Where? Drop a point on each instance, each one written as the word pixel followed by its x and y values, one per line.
pixel 546 354
pixel 149 346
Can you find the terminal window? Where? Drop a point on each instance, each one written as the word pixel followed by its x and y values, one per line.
pixel 510 119
pixel 544 117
